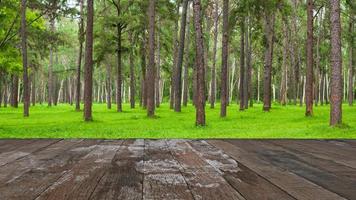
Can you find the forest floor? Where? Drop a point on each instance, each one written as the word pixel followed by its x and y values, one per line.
pixel 282 122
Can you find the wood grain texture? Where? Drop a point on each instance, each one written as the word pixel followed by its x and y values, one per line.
pixel 178 169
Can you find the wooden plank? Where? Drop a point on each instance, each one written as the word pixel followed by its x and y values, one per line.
pixel 24 150
pixel 33 174
pixel 123 178
pixel 203 179
pixel 326 173
pixel 10 145
pixel 248 183
pixel 162 177
pixel 80 180
pixel 339 152
pixel 296 186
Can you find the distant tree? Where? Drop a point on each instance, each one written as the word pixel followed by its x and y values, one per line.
pixel 80 53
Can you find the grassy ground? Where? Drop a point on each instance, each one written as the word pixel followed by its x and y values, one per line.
pixel 282 122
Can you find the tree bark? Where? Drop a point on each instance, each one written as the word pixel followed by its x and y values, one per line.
pixel 80 53
pixel 151 62
pixel 88 69
pixel 132 75
pixel 283 92
pixel 242 66
pixel 50 68
pixel 269 35
pixel 26 107
pixel 336 65
pixel 33 89
pixel 175 55
pixel 310 61
pixel 158 70
pixel 213 68
pixel 186 64
pixel 352 60
pixel 14 90
pixel 178 68
pixel 224 57
pixel 200 65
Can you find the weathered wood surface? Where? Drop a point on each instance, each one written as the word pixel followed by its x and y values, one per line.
pixel 178 169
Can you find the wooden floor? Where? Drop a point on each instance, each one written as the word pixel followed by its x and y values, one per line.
pixel 177 169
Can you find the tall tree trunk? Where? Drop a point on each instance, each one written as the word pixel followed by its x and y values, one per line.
pixel 50 68
pixel 81 40
pixel 151 61
pixel 5 92
pixel 322 87
pixel 310 61
pixel 119 69
pixel 200 101
pixel 213 68
pixel 26 107
pixel 352 60
pixel 158 70
pixel 294 53
pixel 143 76
pixel 336 65
pixel 132 75
pixel 15 91
pixel 33 90
pixel 108 86
pixel 178 68
pixel 242 65
pixel 186 64
pixel 283 92
pixel 224 57
pixel 88 70
pixel 269 35
pixel 175 56
pixel 249 63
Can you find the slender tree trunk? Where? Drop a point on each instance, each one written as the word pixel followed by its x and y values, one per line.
pixel 322 87
pixel 15 91
pixel 186 64
pixel 175 56
pixel 33 90
pixel 132 75
pixel 5 92
pixel 283 92
pixel 88 70
pixel 336 65
pixel 81 40
pixel 310 61
pixel 224 57
pixel 352 60
pixel 26 107
pixel 158 70
pixel 178 68
pixel 213 69
pixel 242 65
pixel 200 101
pixel 294 54
pixel 119 69
pixel 151 62
pixel 249 63
pixel 269 34
pixel 143 76
pixel 50 68
pixel 108 86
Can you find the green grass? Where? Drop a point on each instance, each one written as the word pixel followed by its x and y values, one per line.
pixel 282 122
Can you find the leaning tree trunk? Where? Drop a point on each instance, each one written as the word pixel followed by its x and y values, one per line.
pixel 178 68
pixel 200 65
pixel 151 61
pixel 88 68
pixel 26 92
pixel 269 35
pixel 81 40
pixel 213 68
pixel 310 61
pixel 336 65
pixel 224 57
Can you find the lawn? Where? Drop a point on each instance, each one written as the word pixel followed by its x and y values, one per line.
pixel 282 122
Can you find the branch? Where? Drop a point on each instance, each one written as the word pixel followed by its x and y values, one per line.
pixel 10 29
pixel 317 12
